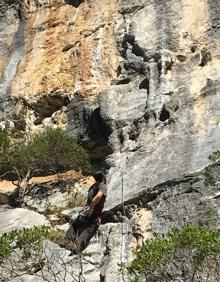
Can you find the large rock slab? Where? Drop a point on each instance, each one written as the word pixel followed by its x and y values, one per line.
pixel 99 262
pixel 18 218
pixel 63 192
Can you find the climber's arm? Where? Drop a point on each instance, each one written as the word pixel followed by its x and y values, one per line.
pixel 89 209
pixel 96 200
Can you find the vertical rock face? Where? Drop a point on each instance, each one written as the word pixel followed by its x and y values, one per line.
pixel 136 82
pixel 166 121
pixel 66 48
pixel 69 50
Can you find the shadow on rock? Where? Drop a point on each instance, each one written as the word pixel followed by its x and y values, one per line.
pixel 75 3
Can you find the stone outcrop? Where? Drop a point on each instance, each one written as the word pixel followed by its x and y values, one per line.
pixel 138 84
pixel 9 191
pixel 18 218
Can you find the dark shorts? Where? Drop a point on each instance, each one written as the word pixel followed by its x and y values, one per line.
pixel 81 231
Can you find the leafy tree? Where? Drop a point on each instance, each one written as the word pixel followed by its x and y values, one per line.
pixel 50 152
pixel 190 254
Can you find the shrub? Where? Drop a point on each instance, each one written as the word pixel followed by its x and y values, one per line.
pixel 49 152
pixel 29 251
pixel 74 197
pixel 21 251
pixel 25 240
pixel 190 254
pixel 212 171
pixel 215 156
pixel 4 140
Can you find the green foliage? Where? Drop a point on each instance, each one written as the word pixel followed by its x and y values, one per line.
pixel 4 140
pixel 28 241
pixel 20 122
pixel 180 251
pixel 56 151
pixel 54 210
pixel 210 179
pixel 212 171
pixel 73 199
pixel 211 213
pixel 49 152
pixel 215 156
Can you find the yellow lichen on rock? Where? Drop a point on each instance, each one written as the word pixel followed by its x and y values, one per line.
pixel 70 49
pixel 195 17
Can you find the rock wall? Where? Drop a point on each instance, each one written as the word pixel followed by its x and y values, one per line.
pixel 165 120
pixel 136 82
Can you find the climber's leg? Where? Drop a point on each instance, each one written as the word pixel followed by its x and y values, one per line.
pixel 71 233
pixel 76 228
pixel 83 240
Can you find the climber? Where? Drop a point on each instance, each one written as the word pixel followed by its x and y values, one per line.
pixel 84 227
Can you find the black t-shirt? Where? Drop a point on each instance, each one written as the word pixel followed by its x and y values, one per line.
pixel 93 190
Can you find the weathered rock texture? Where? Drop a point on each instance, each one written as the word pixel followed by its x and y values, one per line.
pixel 171 54
pixel 136 82
pixel 19 218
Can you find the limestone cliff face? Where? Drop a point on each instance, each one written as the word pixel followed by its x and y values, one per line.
pixel 67 50
pixel 165 119
pixel 136 82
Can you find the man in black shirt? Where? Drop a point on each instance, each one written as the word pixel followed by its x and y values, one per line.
pixel 84 227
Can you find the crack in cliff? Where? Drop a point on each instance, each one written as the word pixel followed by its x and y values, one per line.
pixel 130 46
pixel 89 129
pixel 106 258
pixel 135 61
pixel 148 195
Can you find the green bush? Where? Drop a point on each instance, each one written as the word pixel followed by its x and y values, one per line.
pixel 190 254
pixel 22 251
pixel 4 140
pixel 30 251
pixel 215 156
pixel 26 240
pixel 212 171
pixel 49 152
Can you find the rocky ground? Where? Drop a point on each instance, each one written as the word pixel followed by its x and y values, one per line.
pixel 137 84
pixel 189 200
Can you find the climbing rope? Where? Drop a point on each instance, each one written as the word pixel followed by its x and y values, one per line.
pixel 124 231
